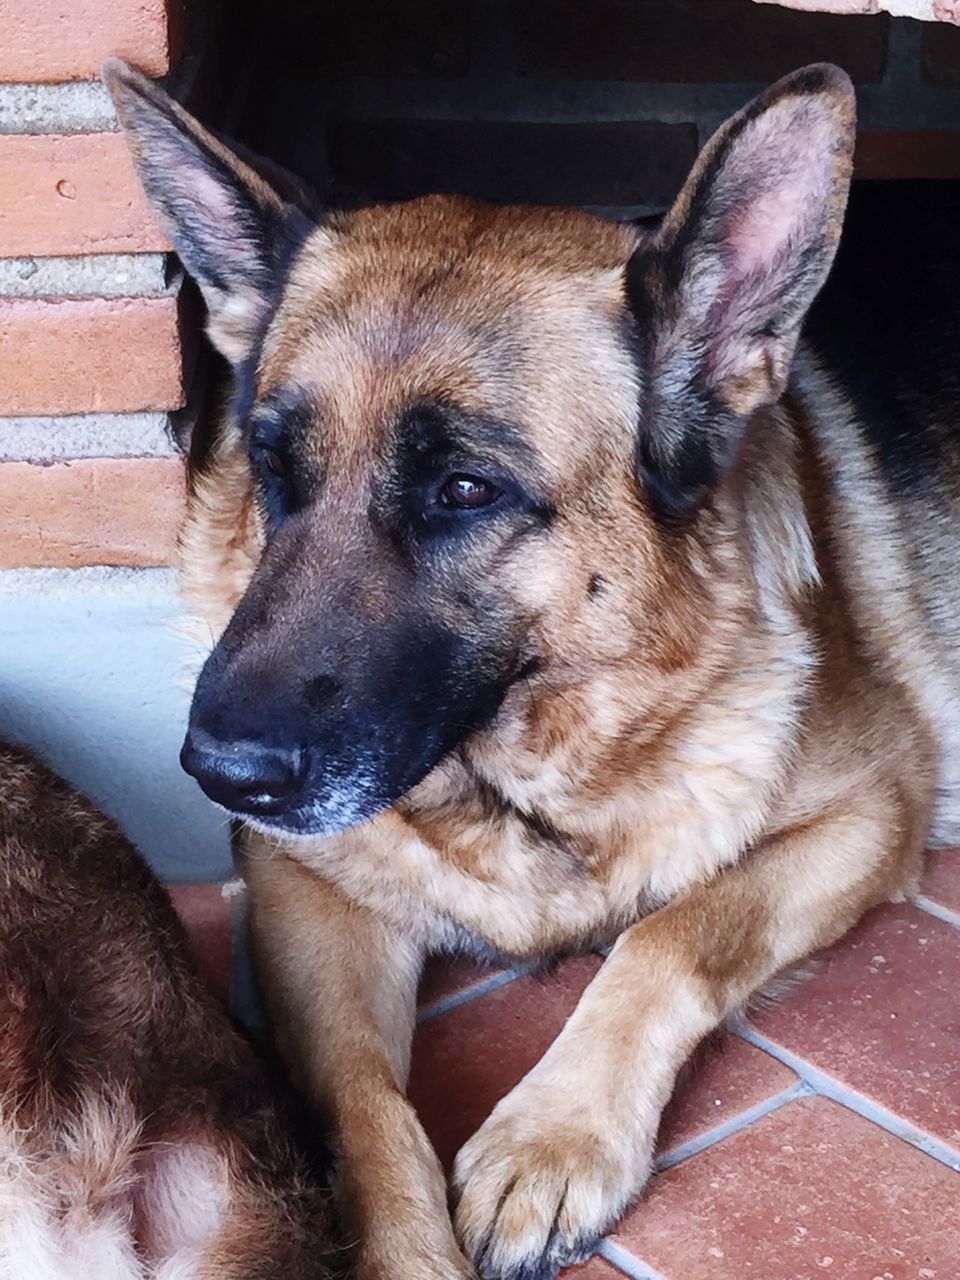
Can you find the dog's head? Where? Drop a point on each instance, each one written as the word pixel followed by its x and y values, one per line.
pixel 469 445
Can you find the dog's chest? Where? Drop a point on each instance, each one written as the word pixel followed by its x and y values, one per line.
pixel 506 896
pixel 520 892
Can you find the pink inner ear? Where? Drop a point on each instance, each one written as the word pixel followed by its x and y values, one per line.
pixel 776 179
pixel 216 205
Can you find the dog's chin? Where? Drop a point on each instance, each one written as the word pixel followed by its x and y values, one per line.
pixel 332 805
pixel 326 811
pixel 311 822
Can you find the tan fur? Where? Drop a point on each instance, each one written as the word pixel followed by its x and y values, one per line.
pixel 731 748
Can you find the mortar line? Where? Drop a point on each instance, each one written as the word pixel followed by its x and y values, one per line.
pixel 626 1262
pixel 827 1087
pixel 468 994
pixel 743 1119
pixel 936 909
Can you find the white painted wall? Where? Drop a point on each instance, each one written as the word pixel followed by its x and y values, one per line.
pixel 93 676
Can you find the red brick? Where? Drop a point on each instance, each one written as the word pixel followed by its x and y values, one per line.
pixel 119 511
pixel 72 193
pixel 206 915
pixel 466 1060
pixel 810 1190
pixel 941 54
pixel 930 153
pixel 882 1017
pixel 50 40
pixel 91 354
pixel 726 1077
pixel 660 41
pixel 607 163
pixel 941 880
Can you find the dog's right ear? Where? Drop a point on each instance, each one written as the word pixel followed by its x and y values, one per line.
pixel 234 231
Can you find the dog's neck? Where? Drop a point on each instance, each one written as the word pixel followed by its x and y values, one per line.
pixel 656 777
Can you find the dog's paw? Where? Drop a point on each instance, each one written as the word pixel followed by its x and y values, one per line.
pixel 535 1189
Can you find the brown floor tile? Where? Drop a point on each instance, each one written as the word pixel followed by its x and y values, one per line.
pixel 882 1017
pixel 727 1076
pixel 941 881
pixel 466 1060
pixel 445 977
pixel 810 1190
pixel 206 914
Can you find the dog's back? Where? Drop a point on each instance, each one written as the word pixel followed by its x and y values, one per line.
pixel 138 1134
pixel 885 333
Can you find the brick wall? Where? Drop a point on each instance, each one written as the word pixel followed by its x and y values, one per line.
pixel 601 103
pixel 94 331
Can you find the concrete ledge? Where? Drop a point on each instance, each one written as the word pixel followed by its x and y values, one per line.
pixel 88 435
pixel 92 677
pixel 144 586
pixel 104 275
pixel 78 106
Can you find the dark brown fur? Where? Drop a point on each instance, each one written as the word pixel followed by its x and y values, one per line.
pixel 131 1112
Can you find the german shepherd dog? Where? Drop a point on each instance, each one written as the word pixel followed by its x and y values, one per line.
pixel 139 1138
pixel 565 596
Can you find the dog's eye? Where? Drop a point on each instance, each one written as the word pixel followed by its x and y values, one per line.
pixel 273 462
pixel 274 479
pixel 468 492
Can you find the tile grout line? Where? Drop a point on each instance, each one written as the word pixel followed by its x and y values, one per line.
pixel 626 1262
pixel 485 986
pixel 827 1087
pixel 468 994
pixel 802 1089
pixel 634 1267
pixel 936 909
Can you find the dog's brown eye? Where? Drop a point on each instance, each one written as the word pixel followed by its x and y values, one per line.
pixel 467 491
pixel 273 462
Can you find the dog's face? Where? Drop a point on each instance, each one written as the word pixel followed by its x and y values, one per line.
pixel 478 441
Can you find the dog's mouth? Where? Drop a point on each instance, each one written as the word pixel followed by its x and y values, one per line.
pixel 278 791
pixel 333 809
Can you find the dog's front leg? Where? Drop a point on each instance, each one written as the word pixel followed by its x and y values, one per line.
pixel 559 1158
pixel 340 986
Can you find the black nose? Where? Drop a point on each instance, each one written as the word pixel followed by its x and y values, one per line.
pixel 245 776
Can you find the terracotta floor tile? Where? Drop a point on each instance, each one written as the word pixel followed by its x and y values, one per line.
pixel 727 1076
pixel 882 1016
pixel 941 881
pixel 810 1190
pixel 445 977
pixel 466 1060
pixel 206 914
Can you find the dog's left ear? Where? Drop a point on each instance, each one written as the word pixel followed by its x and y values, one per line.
pixel 720 292
pixel 235 222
